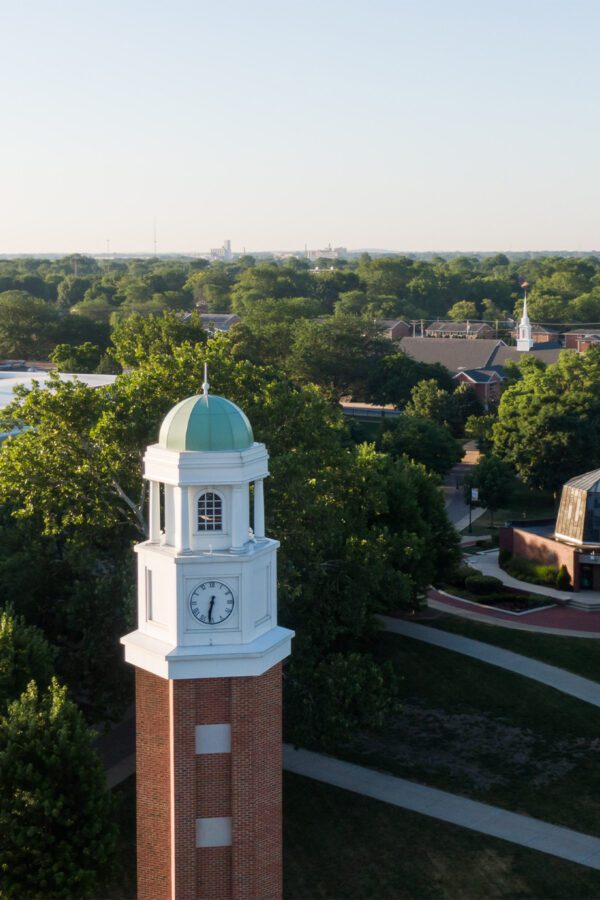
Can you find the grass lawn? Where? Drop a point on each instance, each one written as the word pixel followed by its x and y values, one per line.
pixel 525 503
pixel 338 844
pixel 578 655
pixel 483 732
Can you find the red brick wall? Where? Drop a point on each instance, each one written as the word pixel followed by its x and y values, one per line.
pixel 505 538
pixel 244 784
pixel 212 705
pixel 256 795
pixel 547 551
pixel 183 789
pixel 153 787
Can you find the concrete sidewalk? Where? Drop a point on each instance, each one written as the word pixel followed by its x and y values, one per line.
pixel 463 523
pixel 559 679
pixel 481 817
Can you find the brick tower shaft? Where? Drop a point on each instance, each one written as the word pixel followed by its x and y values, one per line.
pixel 209 787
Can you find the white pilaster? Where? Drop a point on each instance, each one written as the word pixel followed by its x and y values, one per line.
pixel 239 516
pixel 259 508
pixel 154 511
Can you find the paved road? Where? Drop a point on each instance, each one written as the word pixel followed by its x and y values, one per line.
pixel 456 508
pixel 452 488
pixel 523 830
pixel 559 679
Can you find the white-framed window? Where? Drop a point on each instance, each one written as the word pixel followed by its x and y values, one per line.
pixel 210 511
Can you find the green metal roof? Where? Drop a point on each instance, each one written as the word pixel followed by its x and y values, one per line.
pixel 206 422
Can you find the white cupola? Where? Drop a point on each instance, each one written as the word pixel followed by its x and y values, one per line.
pixel 207 578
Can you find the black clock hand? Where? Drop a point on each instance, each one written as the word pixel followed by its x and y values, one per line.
pixel 210 609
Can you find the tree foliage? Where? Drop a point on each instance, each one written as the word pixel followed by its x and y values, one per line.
pixel 24 655
pixel 84 358
pixel 548 425
pixel 495 480
pixel 137 337
pixel 336 354
pixel 58 837
pixel 422 440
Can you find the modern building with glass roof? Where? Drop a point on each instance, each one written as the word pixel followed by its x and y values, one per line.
pixel 573 540
pixel 578 519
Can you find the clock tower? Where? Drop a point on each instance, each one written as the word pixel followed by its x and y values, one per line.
pixel 207 654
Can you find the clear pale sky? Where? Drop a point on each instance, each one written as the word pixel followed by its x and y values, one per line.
pixel 430 124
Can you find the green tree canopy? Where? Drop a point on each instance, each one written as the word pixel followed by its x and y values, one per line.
pixel 24 655
pixel 25 326
pixel 337 353
pixel 548 425
pixel 463 310
pixel 137 338
pixel 56 814
pixel 429 401
pixel 495 480
pixel 84 358
pixel 422 440
pixel 393 377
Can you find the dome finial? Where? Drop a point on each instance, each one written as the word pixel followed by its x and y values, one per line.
pixel 205 384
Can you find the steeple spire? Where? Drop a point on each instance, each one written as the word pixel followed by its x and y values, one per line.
pixel 205 384
pixel 525 331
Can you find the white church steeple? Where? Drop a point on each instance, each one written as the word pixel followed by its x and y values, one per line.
pixel 525 331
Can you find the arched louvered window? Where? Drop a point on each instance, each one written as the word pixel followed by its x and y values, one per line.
pixel 210 512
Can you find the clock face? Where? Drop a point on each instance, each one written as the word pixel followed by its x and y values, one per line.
pixel 211 602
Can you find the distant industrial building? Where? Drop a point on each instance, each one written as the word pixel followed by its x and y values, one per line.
pixel 328 253
pixel 223 253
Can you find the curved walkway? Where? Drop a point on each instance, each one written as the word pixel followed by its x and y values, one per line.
pixel 559 679
pixel 528 832
pixel 562 621
pixel 487 564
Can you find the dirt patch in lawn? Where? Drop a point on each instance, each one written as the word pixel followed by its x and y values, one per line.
pixel 479 751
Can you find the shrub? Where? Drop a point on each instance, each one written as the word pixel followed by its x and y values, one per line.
pixel 504 556
pixel 462 573
pixel 520 568
pixel 482 584
pixel 535 573
pixel 563 579
pixel 545 575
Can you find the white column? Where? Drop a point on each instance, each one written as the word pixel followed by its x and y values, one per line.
pixel 239 517
pixel 170 526
pixel 259 509
pixel 182 518
pixel 154 511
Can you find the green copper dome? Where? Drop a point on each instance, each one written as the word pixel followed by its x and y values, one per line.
pixel 206 422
